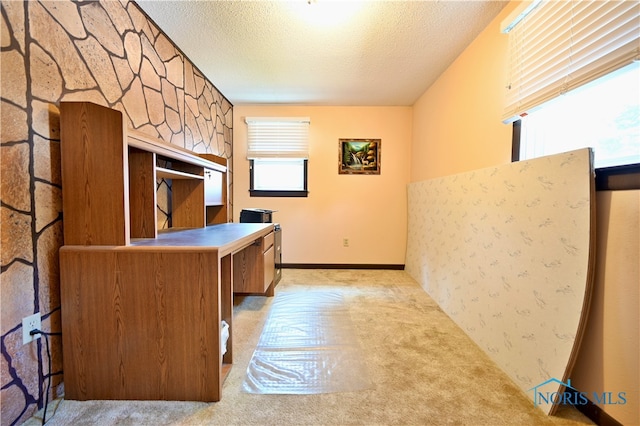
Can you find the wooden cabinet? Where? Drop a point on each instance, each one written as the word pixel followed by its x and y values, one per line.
pixel 254 269
pixel 141 324
pixel 141 308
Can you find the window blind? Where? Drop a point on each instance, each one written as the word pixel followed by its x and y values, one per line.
pixel 561 45
pixel 278 137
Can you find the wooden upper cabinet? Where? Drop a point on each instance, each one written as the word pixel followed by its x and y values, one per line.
pixel 109 178
pixel 213 188
pixel 215 191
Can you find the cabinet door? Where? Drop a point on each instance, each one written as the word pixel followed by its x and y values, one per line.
pixel 212 188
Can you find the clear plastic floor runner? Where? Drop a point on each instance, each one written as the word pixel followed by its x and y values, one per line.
pixel 307 346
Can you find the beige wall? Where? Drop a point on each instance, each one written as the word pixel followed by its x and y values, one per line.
pixel 457 127
pixel 609 355
pixel 369 210
pixel 457 122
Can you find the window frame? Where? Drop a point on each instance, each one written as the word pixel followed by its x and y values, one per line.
pixel 278 193
pixel 613 178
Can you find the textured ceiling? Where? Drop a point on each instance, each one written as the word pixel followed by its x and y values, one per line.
pixel 326 52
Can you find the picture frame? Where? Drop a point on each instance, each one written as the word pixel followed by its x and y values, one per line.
pixel 359 156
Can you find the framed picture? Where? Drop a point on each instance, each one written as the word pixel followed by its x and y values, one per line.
pixel 359 156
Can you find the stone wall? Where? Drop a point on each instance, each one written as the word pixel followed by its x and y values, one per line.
pixel 110 53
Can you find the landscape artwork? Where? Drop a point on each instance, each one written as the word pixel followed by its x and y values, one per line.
pixel 359 156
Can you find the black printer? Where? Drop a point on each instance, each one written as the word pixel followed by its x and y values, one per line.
pixel 256 216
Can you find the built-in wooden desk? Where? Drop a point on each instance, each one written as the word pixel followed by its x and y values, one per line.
pixel 143 321
pixel 253 261
pixel 142 308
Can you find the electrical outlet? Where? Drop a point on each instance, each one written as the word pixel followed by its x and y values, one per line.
pixel 29 323
pixel 345 242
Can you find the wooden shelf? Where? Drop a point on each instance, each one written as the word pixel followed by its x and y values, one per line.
pixel 141 141
pixel 161 172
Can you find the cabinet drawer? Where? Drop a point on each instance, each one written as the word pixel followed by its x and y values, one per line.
pixel 269 267
pixel 268 241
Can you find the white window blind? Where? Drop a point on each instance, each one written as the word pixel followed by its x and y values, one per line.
pixel 561 45
pixel 271 137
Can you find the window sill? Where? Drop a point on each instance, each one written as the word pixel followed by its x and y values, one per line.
pixel 260 193
pixel 618 177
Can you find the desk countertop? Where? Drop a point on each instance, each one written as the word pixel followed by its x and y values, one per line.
pixel 226 237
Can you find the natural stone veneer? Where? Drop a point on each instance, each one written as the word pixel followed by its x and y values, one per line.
pixel 106 52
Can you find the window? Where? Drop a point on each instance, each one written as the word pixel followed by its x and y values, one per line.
pixel 574 80
pixel 278 177
pixel 604 115
pixel 278 155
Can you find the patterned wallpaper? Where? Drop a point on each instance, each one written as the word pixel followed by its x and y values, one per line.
pixel 110 53
pixel 505 252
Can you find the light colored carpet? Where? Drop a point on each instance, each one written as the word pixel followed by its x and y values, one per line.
pixel 424 370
